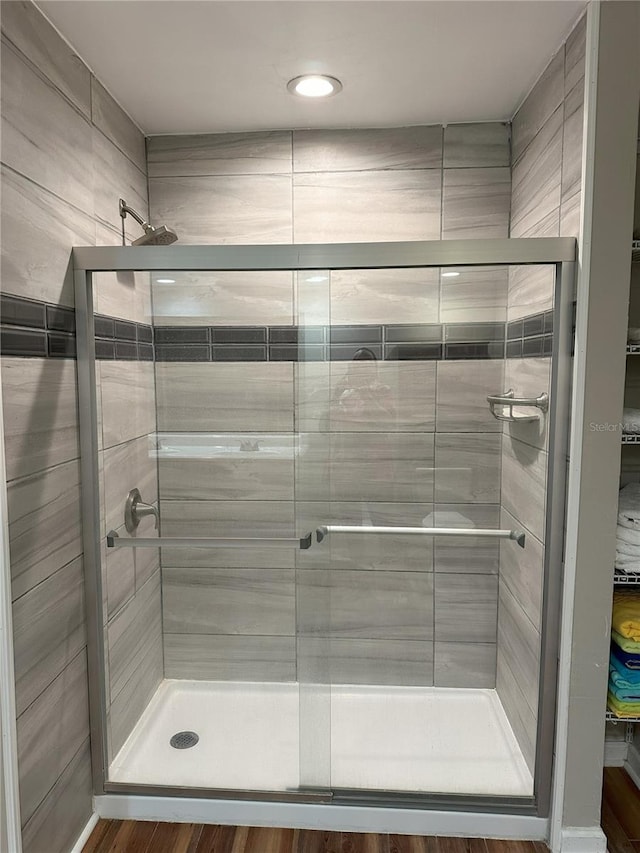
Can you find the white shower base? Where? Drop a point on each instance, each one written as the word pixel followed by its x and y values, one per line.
pixel 420 739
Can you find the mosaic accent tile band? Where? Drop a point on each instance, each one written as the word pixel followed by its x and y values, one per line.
pixel 36 329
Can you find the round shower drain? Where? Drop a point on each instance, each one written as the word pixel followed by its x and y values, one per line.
pixel 184 740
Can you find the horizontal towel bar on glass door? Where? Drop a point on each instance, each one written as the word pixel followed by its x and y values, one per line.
pixel 114 540
pixel 517 535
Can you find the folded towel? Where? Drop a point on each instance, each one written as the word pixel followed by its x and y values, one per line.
pixel 626 614
pixel 633 334
pixel 626 659
pixel 621 675
pixel 627 563
pixel 623 709
pixel 628 535
pixel 630 420
pixel 626 694
pixel 629 646
pixel 627 549
pixel 629 505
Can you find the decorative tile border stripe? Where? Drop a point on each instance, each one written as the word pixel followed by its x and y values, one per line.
pixel 39 330
pixel 35 329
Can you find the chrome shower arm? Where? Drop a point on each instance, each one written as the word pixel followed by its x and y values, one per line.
pixel 124 209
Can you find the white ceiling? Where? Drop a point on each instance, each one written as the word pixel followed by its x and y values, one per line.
pixel 179 66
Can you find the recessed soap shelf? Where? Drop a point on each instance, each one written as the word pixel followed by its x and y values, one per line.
pixel 508 400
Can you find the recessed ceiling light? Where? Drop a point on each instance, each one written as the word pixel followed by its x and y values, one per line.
pixel 314 86
pixel 165 281
pixel 449 274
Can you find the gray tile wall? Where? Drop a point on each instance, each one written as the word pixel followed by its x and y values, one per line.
pixel 68 153
pixel 386 605
pixel 545 202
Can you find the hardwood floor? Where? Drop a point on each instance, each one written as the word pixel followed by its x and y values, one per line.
pixel 128 836
pixel 620 811
pixel 620 821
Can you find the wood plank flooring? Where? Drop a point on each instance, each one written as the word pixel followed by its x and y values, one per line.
pixel 115 836
pixel 620 821
pixel 620 811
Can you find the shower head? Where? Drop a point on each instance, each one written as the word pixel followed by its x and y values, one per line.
pixel 161 236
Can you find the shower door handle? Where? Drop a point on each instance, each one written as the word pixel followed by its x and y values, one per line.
pixel 114 540
pixel 489 533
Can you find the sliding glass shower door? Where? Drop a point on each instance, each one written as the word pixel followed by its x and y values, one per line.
pixel 337 578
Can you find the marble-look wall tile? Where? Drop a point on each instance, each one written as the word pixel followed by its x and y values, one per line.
pixel 229 601
pixel 128 400
pixel 575 51
pixel 230 396
pixel 36 257
pixel 530 290
pixel 465 608
pixel 213 657
pixel 545 97
pixel 32 34
pixel 572 162
pixel 346 207
pixel 464 665
pixel 224 299
pixel 312 396
pixel 127 466
pixel 477 145
pixel 361 466
pixel 48 631
pixel 535 201
pixel 467 468
pixel 239 209
pixel 348 661
pixel 44 524
pixel 43 137
pixel 137 692
pixel 463 387
pixel 367 150
pixel 253 475
pixel 464 554
pixel 475 203
pixel 391 396
pixel 522 571
pixel 253 519
pixel 368 605
pixel 56 824
pixel 373 551
pixel 124 294
pixel 519 643
pixel 44 750
pixel 384 296
pixel 116 177
pixel 40 414
pixel 263 153
pixel 109 117
pixel 524 475
pixel 125 571
pixel 132 633
pixel 529 377
pixel 475 295
pixel 522 719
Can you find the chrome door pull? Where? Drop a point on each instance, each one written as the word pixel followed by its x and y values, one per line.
pixel 491 533
pixel 114 540
pixel 508 399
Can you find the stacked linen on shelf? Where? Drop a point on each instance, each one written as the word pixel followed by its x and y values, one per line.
pixel 624 663
pixel 628 529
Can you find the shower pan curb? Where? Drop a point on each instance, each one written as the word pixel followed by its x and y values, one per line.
pixel 327 817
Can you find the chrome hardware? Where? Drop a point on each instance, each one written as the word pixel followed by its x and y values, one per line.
pixel 135 510
pixel 508 400
pixel 517 535
pixel 114 540
pixel 249 446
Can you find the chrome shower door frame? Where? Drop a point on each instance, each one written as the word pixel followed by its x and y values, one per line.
pixel 559 252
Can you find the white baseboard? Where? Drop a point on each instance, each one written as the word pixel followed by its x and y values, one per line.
pixel 615 753
pixel 578 840
pixel 325 817
pixel 84 835
pixel 632 764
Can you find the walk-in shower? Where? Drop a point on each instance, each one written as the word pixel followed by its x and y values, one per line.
pixel 352 594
